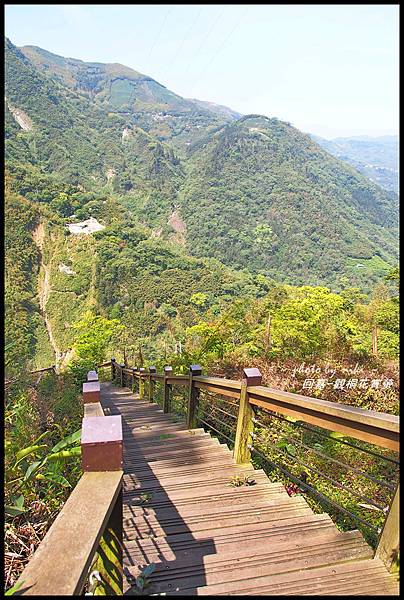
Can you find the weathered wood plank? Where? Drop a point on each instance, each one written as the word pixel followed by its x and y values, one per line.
pixel 207 537
pixel 64 549
pixel 355 414
pixel 384 438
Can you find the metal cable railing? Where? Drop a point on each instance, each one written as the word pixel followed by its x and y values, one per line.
pixel 308 487
pixel 334 460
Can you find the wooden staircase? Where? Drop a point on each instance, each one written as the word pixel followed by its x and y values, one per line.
pixel 207 537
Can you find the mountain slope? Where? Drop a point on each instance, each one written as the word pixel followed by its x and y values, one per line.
pixel 254 192
pixel 218 109
pixel 138 97
pixel 262 195
pixel 66 134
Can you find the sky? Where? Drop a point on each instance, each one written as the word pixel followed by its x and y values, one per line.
pixel 331 70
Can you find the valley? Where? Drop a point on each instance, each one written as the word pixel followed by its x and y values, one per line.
pixel 151 200
pixel 229 285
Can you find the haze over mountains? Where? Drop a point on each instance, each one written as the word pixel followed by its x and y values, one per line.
pixel 375 157
pixel 201 198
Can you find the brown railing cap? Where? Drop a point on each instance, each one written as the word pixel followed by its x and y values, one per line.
pixel 167 369
pixel 152 370
pixel 252 376
pixel 91 386
pixel 195 369
pixel 92 376
pixel 106 429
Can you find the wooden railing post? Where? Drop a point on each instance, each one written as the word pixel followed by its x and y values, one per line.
pixel 245 424
pixel 121 367
pixel 113 369
pixel 142 373
pixel 166 396
pixel 92 376
pixel 134 371
pixel 388 546
pixel 91 392
pixel 102 450
pixel 193 397
pixel 151 383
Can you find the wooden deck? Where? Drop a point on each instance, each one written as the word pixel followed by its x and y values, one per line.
pixel 209 538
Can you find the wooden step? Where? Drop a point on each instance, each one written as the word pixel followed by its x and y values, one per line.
pixel 222 538
pixel 174 438
pixel 356 578
pixel 207 537
pixel 180 473
pixel 197 455
pixel 192 517
pixel 193 571
pixel 161 447
pixel 182 462
pixel 222 476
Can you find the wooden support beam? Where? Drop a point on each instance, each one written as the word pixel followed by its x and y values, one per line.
pixel 193 398
pixel 142 373
pixel 166 397
pixel 389 542
pixel 151 383
pixel 245 424
pixel 113 369
pixel 110 554
pixel 134 372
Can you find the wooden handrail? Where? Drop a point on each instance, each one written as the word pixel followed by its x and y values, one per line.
pixel 93 409
pixel 51 368
pixel 61 562
pixel 105 364
pixel 91 518
pixel 374 427
pixel 378 428
pixel 381 429
pixel 350 413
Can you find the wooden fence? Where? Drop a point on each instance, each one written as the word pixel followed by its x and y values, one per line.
pixel 378 429
pixel 87 534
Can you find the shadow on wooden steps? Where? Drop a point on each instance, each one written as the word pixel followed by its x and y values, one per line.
pixel 206 537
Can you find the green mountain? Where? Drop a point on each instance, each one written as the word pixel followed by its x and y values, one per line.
pixel 139 98
pixel 375 157
pixel 262 195
pixel 218 109
pixel 195 206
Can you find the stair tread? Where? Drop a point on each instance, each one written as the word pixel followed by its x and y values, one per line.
pixel 207 537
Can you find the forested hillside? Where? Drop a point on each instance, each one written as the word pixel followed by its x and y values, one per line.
pixel 376 157
pixel 196 207
pixel 271 199
pixel 163 230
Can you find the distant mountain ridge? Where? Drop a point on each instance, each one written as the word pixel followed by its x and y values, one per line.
pixel 252 192
pixel 219 109
pixel 150 104
pixel 375 157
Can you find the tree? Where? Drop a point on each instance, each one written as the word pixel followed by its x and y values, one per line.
pixel 94 334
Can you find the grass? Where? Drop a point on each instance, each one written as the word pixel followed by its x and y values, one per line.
pixel 374 265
